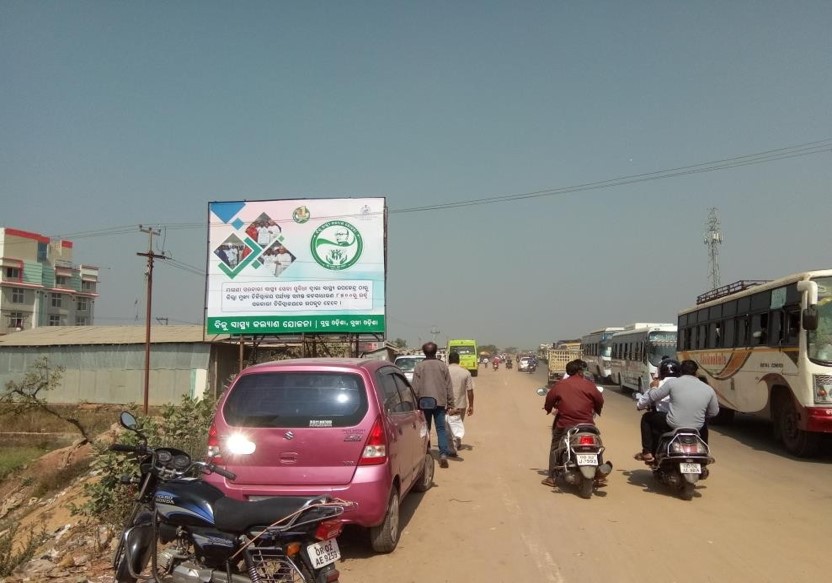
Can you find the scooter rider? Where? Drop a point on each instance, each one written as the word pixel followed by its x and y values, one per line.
pixel 668 368
pixel 692 402
pixel 576 401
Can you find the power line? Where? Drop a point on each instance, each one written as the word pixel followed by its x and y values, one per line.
pixel 785 153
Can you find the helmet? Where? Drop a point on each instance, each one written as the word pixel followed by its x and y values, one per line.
pixel 669 368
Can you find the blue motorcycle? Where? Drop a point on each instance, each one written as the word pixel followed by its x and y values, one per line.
pixel 184 530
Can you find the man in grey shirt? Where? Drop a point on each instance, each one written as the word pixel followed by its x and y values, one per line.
pixel 692 402
pixel 433 387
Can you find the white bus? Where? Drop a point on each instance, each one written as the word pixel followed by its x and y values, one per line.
pixel 637 351
pixel 766 349
pixel 597 350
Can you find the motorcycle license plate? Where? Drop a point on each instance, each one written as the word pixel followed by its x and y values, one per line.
pixel 323 553
pixel 587 459
pixel 690 468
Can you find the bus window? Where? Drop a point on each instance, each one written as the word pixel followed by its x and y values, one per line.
pixel 761 301
pixel 730 308
pixel 759 329
pixel 729 334
pixel 714 335
pixel 743 305
pixel 742 331
pixel 715 313
pixel 703 336
pixel 691 338
pixel 792 335
pixel 776 327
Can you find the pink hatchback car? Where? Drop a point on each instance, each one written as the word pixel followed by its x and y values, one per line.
pixel 345 427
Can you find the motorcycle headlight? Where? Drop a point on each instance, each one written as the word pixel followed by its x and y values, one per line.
pixel 823 389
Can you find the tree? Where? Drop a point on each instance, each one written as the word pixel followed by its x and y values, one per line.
pixel 29 393
pixel 400 343
pixel 489 348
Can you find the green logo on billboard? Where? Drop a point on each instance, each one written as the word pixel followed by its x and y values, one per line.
pixel 336 245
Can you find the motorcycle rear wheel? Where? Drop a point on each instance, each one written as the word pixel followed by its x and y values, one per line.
pixel 686 491
pixel 585 487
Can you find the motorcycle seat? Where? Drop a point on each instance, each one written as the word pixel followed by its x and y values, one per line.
pixel 237 516
pixel 678 430
pixel 585 428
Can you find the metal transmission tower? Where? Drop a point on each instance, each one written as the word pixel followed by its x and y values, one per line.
pixel 713 239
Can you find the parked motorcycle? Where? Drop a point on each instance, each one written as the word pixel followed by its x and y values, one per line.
pixel 190 532
pixel 681 460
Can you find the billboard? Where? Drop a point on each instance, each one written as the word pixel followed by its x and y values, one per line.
pixel 296 266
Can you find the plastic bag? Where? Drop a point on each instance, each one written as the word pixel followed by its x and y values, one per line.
pixel 456 425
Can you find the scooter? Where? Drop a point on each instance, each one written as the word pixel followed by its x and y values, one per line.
pixel 579 459
pixel 681 460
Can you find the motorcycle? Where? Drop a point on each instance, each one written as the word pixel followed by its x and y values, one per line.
pixel 508 364
pixel 190 532
pixel 496 365
pixel 681 460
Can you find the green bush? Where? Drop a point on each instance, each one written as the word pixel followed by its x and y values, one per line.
pixel 184 426
pixel 12 555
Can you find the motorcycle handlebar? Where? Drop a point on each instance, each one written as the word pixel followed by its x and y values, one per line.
pixel 126 448
pixel 222 472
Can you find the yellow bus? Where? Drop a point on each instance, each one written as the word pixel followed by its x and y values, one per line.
pixel 468 354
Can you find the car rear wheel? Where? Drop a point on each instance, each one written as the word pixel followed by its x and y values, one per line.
pixel 385 537
pixel 425 480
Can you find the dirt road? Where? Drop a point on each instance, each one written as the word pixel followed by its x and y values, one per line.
pixel 761 516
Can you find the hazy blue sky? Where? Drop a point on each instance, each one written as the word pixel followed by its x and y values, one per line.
pixel 117 113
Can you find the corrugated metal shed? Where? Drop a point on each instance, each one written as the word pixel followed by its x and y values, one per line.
pixel 87 335
pixel 105 364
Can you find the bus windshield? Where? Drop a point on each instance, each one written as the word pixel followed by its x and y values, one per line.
pixel 820 340
pixel 660 344
pixel 461 349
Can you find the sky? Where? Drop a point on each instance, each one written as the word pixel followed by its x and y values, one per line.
pixel 115 114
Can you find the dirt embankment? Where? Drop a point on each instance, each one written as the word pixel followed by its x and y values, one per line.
pixel 73 551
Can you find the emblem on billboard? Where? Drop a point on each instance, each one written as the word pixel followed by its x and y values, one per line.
pixel 301 214
pixel 336 245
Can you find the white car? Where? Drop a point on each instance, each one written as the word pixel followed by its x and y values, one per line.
pixel 407 363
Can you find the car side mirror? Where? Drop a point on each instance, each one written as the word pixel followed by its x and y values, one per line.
pixel 542 391
pixel 810 318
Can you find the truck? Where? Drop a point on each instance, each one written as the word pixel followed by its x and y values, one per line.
pixel 468 355
pixel 561 353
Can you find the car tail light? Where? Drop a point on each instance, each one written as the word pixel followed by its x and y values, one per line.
pixel 328 529
pixel 214 453
pixel 375 449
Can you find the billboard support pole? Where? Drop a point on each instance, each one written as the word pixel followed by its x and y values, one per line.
pixel 240 353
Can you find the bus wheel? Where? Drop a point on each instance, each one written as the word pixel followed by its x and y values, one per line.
pixel 797 442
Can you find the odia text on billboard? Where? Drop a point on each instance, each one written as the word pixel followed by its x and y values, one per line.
pixel 317 260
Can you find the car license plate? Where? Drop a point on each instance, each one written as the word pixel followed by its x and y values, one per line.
pixel 587 459
pixel 323 553
pixel 690 468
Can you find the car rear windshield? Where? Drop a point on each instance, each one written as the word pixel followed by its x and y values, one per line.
pixel 407 364
pixel 296 399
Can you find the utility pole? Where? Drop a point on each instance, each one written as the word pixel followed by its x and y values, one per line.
pixel 713 239
pixel 434 330
pixel 150 257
